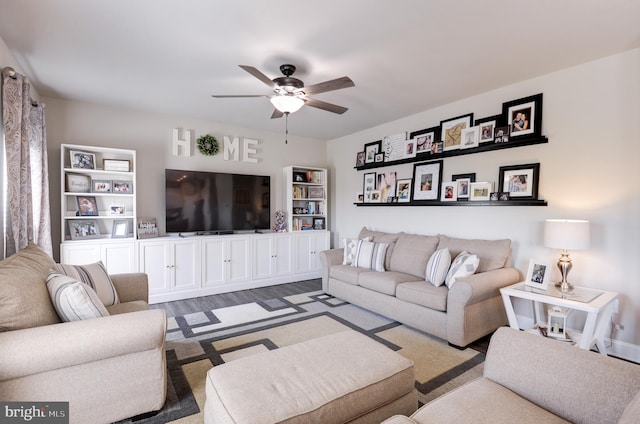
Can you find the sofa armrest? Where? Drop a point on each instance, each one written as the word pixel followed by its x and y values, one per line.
pixel 131 287
pixel 329 258
pixel 35 350
pixel 479 287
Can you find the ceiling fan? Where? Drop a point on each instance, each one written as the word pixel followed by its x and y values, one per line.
pixel 291 93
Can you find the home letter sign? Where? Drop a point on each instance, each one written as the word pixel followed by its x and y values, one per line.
pixel 185 142
pixel 231 149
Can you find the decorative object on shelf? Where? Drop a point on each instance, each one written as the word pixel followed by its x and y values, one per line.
pixel 520 181
pixel 120 228
pixel 524 116
pixel 387 185
pixel 116 165
pixel 83 229
pixel 449 191
pixel 538 274
pixel 368 185
pixel 371 150
pixel 451 131
pixel 464 181
pixel 470 137
pixel 557 322
pixel 315 193
pixel 501 135
pixel 87 206
pixel 125 187
pixel 360 159
pixel 403 190
pixel 375 196
pixel 147 227
pixel 393 146
pixel 318 223
pixel 487 127
pixel 480 191
pixel 503 197
pixel 427 177
pixel 410 148
pixel 494 197
pixel 424 142
pixel 116 209
pixel 207 145
pixel 280 223
pixel 300 177
pixel 380 157
pixel 566 234
pixel 77 183
pixel 82 160
pixel 101 186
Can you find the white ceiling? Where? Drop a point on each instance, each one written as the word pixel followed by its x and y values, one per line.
pixel 405 56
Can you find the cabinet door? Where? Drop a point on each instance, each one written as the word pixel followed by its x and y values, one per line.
pixel 119 258
pixel 239 259
pixel 153 262
pixel 283 255
pixel 79 253
pixel 213 262
pixel 303 252
pixel 319 242
pixel 184 259
pixel 263 257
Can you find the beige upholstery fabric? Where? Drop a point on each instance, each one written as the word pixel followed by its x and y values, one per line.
pixel 631 413
pixel 348 273
pixel 24 298
pixel 423 293
pixel 123 308
pixel 325 380
pixel 411 254
pixel 384 282
pixel 493 254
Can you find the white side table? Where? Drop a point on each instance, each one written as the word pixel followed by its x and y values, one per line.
pixel 598 304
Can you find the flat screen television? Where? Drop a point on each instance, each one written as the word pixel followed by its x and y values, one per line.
pixel 213 202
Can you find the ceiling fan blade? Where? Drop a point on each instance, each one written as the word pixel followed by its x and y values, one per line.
pixel 276 114
pixel 326 106
pixel 222 96
pixel 256 73
pixel 331 85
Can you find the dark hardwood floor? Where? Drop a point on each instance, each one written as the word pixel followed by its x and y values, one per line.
pixel 207 303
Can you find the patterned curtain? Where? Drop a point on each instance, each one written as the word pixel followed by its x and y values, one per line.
pixel 27 175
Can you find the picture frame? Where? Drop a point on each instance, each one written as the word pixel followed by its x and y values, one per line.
pixel 436 147
pixel 538 274
pixel 299 177
pixel 319 223
pixel 463 182
pixel 425 139
pixel 83 229
pixel 393 146
pixel 519 181
pixel 480 191
pixel 486 130
pixel 315 193
pixel 82 160
pixel 449 192
pixel 87 206
pixel 360 159
pixel 120 228
pixel 101 186
pixel 470 137
pixel 410 148
pixel 359 197
pixel 524 116
pixel 375 196
pixel 403 190
pixel 370 151
pixel 386 183
pixel 124 187
pixel 117 165
pixel 147 227
pixel 501 135
pixel 116 209
pixel 451 131
pixel 77 183
pixel 380 157
pixel 426 180
pixel 368 185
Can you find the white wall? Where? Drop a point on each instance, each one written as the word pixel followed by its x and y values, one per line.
pixel 589 170
pixel 70 122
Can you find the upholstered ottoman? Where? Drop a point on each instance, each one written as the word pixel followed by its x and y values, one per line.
pixel 341 378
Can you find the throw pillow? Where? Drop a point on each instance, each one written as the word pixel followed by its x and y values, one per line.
pixel 438 266
pixel 74 300
pixel 370 255
pixel 96 277
pixel 350 247
pixel 463 265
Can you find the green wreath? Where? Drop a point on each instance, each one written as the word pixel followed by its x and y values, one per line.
pixel 208 145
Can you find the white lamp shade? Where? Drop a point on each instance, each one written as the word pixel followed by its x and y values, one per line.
pixel 566 234
pixel 287 104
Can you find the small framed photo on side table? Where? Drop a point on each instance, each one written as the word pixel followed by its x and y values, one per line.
pixel 538 274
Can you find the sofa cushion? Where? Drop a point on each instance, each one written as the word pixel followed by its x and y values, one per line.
pixel 370 255
pixel 381 237
pixel 384 282
pixel 463 265
pixel 424 294
pixel 493 254
pixel 95 276
pixel 411 253
pixel 350 249
pixel 126 307
pixel 74 300
pixel 347 273
pixel 438 266
pixel 24 299
pixel 631 413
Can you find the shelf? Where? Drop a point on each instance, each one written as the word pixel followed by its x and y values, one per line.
pixel 462 203
pixel 98 194
pixel 488 147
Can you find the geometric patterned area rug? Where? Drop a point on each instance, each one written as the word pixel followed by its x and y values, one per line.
pixel 199 341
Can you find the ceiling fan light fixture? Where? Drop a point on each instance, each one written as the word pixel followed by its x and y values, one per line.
pixel 287 104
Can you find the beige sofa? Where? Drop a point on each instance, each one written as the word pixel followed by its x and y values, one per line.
pixel 107 368
pixel 471 309
pixel 531 379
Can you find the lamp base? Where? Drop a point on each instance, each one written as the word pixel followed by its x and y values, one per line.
pixel 564 265
pixel 564 286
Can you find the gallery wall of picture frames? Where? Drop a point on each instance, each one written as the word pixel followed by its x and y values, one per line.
pixel 520 124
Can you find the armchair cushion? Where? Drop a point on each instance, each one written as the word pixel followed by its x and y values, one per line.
pixel 74 300
pixel 95 276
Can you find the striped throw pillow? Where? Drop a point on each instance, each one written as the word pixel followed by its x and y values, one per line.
pixel 350 248
pixel 438 266
pixel 96 277
pixel 74 300
pixel 370 255
pixel 463 265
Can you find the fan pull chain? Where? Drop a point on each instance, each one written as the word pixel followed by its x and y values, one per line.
pixel 286 125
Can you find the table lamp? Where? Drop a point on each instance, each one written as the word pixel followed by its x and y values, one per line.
pixel 566 234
